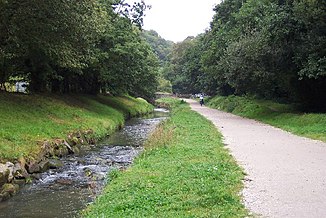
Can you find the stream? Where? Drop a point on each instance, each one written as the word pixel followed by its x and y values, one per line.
pixel 64 192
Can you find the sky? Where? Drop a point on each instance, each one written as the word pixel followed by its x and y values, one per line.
pixel 175 20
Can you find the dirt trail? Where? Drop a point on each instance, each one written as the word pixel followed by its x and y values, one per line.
pixel 286 173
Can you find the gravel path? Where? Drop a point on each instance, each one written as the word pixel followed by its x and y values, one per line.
pixel 286 173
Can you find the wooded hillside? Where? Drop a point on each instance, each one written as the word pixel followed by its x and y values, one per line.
pixel 274 49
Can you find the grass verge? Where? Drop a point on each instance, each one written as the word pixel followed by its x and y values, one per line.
pixel 28 120
pixel 184 172
pixel 284 116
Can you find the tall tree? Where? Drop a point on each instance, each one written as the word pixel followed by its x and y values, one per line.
pixel 268 48
pixel 76 46
pixel 161 47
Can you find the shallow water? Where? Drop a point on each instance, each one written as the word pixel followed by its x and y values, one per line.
pixel 64 192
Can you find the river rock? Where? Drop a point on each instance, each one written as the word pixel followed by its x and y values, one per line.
pixel 68 146
pixel 47 149
pixel 10 188
pixel 20 171
pixel 82 162
pixel 91 141
pixel 61 150
pixel 22 161
pixel 44 165
pixel 11 171
pixel 33 167
pixel 35 176
pixel 55 163
pixel 4 174
pixel 73 141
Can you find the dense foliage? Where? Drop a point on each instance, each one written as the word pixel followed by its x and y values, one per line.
pixel 184 69
pixel 83 46
pixel 268 48
pixel 162 48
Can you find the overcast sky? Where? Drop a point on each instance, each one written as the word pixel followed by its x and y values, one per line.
pixel 175 20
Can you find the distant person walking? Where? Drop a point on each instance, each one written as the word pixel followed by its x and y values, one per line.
pixel 201 99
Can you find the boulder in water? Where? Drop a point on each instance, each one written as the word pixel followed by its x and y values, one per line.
pixel 55 163
pixel 33 167
pixel 8 190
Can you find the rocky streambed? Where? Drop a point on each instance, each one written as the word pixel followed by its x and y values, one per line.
pixel 74 181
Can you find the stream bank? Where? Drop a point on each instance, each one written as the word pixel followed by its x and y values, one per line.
pixel 63 192
pixel 29 123
pixel 184 171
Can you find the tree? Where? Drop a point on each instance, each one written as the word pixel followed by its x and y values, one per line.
pixel 161 47
pixel 216 40
pixel 44 35
pixel 310 52
pixel 273 49
pixel 76 46
pixel 184 70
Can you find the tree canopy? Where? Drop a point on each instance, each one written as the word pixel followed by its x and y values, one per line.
pixel 83 46
pixel 273 49
pixel 162 48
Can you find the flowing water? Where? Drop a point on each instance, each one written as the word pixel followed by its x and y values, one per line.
pixel 64 192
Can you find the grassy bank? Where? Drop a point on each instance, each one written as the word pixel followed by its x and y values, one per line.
pixel 28 120
pixel 284 116
pixel 184 172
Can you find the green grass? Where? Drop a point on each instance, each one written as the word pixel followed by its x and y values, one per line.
pixel 28 120
pixel 284 116
pixel 184 172
pixel 168 102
